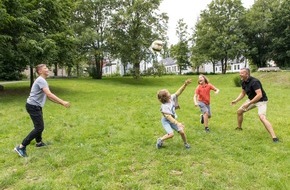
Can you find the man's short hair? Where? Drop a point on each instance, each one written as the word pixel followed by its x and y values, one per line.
pixel 246 69
pixel 38 67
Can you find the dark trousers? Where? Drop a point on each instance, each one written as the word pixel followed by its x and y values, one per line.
pixel 36 116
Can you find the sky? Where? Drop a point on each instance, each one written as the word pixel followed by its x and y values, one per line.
pixel 188 10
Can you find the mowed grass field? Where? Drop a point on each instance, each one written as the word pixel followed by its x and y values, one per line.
pixel 106 140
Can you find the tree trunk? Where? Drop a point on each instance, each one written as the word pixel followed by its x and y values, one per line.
pixel 213 66
pixel 125 66
pixel 31 76
pixel 136 69
pixel 55 69
pixel 69 71
pixel 99 66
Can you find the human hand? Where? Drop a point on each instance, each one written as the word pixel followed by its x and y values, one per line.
pixel 180 125
pixel 188 81
pixel 66 104
pixel 233 102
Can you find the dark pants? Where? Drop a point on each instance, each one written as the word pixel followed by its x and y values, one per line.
pixel 35 113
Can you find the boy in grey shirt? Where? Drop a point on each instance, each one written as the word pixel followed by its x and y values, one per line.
pixel 34 104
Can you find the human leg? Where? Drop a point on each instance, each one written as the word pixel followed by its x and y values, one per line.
pixel 36 116
pixel 240 115
pixel 262 109
pixel 267 125
pixel 205 110
pixel 183 136
pixel 169 132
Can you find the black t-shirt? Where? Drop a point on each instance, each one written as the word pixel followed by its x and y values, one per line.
pixel 251 85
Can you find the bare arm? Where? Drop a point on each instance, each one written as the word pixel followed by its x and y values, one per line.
pixel 173 120
pixel 181 89
pixel 195 99
pixel 241 96
pixel 54 98
pixel 216 90
pixel 255 99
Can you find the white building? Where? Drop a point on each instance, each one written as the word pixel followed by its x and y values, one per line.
pixel 232 66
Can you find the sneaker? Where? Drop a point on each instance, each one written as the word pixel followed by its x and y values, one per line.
pixel 207 129
pixel 275 140
pixel 40 144
pixel 239 128
pixel 159 143
pixel 187 146
pixel 201 119
pixel 21 151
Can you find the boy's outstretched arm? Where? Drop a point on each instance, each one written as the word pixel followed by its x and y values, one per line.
pixel 174 121
pixel 180 90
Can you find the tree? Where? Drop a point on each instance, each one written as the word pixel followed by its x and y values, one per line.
pixel 92 25
pixel 280 35
pixel 257 31
pixel 28 33
pixel 218 34
pixel 180 51
pixel 135 25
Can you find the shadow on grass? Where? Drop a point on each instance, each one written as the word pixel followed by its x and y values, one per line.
pixel 23 91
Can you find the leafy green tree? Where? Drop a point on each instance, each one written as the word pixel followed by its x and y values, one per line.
pixel 135 25
pixel 257 31
pixel 218 34
pixel 180 51
pixel 280 35
pixel 92 24
pixel 13 27
pixel 28 33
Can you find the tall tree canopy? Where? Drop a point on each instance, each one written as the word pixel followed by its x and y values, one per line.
pixel 180 51
pixel 29 34
pixel 218 34
pixel 135 25
pixel 280 34
pixel 257 31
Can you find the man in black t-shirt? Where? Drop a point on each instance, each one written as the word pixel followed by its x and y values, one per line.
pixel 257 97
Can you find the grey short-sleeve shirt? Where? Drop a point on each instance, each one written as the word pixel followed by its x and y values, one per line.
pixel 37 97
pixel 169 107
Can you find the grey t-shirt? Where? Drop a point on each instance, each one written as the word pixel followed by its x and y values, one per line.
pixel 37 97
pixel 169 107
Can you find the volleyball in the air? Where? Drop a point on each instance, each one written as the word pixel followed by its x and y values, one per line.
pixel 156 46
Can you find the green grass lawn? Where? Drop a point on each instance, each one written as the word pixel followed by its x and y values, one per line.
pixel 106 140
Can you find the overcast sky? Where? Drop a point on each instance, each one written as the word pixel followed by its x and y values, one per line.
pixel 189 10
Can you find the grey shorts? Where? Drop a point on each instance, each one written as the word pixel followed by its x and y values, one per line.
pixel 204 108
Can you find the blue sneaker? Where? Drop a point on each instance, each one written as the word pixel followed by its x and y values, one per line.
pixel 21 151
pixel 159 143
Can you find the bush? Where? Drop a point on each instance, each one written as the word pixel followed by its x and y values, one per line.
pixel 237 81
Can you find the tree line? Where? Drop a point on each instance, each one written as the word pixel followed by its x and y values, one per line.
pixel 74 33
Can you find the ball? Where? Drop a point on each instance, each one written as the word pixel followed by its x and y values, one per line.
pixel 157 45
